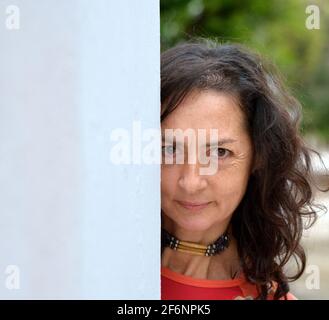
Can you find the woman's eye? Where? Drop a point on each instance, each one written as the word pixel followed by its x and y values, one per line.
pixel 221 153
pixel 168 150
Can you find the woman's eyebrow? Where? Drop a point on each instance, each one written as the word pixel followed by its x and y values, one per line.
pixel 221 142
pixel 210 144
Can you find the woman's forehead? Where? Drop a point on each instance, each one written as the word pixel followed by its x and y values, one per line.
pixel 206 110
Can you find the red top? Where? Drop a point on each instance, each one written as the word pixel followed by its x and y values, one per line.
pixel 176 286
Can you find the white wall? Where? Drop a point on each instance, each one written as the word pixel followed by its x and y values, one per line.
pixel 72 72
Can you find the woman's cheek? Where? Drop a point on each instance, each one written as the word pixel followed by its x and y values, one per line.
pixel 230 186
pixel 168 185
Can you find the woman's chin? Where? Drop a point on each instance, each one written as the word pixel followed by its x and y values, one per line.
pixel 193 222
pixel 194 226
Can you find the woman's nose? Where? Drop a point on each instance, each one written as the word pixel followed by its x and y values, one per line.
pixel 191 180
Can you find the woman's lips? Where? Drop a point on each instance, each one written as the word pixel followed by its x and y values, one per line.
pixel 193 206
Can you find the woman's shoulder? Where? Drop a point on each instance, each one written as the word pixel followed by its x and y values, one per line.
pixel 289 296
pixel 249 291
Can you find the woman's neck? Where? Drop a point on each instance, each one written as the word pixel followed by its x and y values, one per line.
pixel 219 267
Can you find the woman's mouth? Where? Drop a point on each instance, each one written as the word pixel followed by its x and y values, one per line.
pixel 193 206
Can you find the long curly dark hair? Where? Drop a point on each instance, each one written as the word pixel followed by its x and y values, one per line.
pixel 279 200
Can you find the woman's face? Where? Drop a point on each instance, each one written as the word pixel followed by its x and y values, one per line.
pixel 222 190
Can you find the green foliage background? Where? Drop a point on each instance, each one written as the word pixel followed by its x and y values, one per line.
pixel 277 30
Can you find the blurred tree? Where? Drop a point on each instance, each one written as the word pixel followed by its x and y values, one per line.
pixel 276 29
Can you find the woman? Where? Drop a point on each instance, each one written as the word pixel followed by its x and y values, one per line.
pixel 228 234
